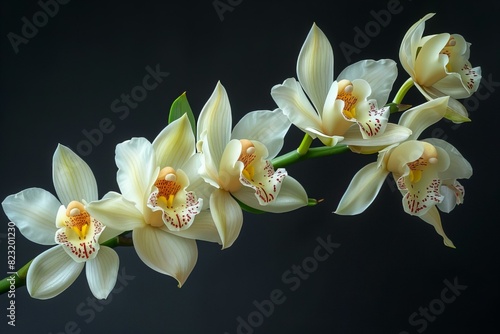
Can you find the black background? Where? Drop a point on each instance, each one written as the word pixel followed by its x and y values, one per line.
pixel 388 265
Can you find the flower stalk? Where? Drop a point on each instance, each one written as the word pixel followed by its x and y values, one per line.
pixel 20 275
pixel 305 144
pixel 405 87
pixel 314 152
pixel 195 179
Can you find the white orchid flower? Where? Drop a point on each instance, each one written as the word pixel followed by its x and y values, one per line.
pixel 46 220
pixel 237 164
pixel 439 66
pixel 165 217
pixel 425 171
pixel 350 109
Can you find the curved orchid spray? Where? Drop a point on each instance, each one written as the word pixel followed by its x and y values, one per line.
pixel 194 180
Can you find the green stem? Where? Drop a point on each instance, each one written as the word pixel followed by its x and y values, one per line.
pixel 305 144
pixel 119 240
pixel 15 280
pixel 313 201
pixel 315 152
pixel 247 208
pixel 18 279
pixel 403 90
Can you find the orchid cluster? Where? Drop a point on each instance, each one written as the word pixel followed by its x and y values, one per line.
pixel 193 181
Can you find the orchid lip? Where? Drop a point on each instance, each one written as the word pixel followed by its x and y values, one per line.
pixel 172 205
pixel 167 186
pixel 258 173
pixel 247 156
pixel 79 232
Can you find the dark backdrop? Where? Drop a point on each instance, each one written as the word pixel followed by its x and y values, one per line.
pixel 388 267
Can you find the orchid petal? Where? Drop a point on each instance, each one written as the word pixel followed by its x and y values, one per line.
pixel 102 272
pixel 380 74
pixel 430 63
pixel 410 44
pixel 402 154
pixel 452 84
pixel 462 80
pixel 215 122
pixel 166 253
pixel 291 197
pixel 137 170
pixel 230 167
pixel 421 117
pixel 116 212
pixel 197 183
pixel 393 134
pixel 227 215
pixel 432 217
pixel 455 112
pixel 452 195
pixel 108 232
pixel 459 167
pixel 325 139
pixel 333 121
pixel 203 228
pixel 73 178
pixel 34 211
pixel 315 66
pixel 265 126
pixel 362 190
pixel 209 168
pixel 180 134
pixel 52 272
pixel 290 98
